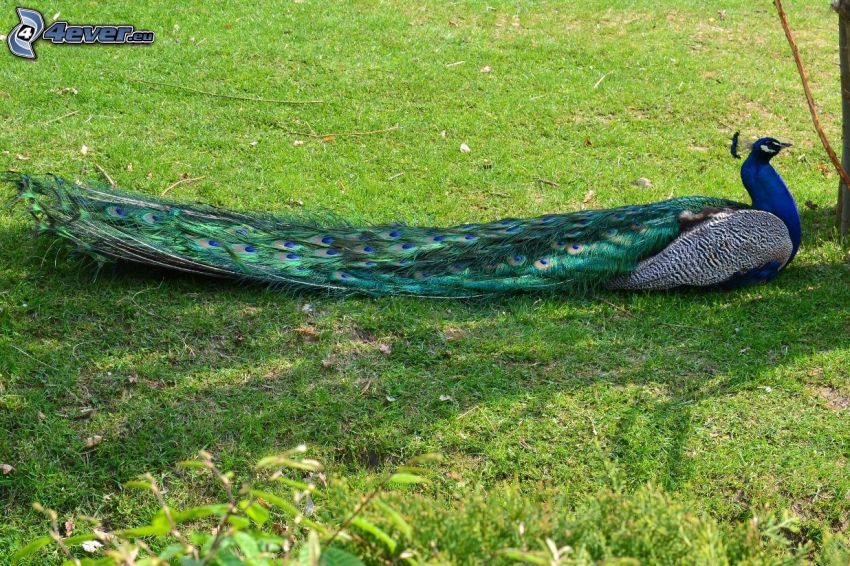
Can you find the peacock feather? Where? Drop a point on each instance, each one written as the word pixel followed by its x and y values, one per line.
pixel 555 252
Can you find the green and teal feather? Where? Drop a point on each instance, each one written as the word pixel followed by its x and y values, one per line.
pixel 556 252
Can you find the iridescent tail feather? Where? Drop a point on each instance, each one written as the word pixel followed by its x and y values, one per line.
pixel 556 252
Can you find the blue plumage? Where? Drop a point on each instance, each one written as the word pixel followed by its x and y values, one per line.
pixel 768 190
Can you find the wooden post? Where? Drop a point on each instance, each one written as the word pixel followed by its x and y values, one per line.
pixel 843 209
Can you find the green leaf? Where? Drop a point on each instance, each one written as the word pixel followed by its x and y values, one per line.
pixel 239 522
pixel 146 531
pixel 283 461
pixel 79 539
pixel 406 479
pixel 321 529
pixel 160 520
pixel 311 552
pixel 228 558
pixel 172 551
pixel 201 539
pixel 338 557
pixel 296 484
pixel 193 513
pixel 266 538
pixel 190 464
pixel 138 484
pixel 32 547
pixel 289 509
pixel 411 470
pixel 430 457
pixel 272 462
pixel 256 512
pixel 395 518
pixel 523 556
pixel 247 545
pixel 372 529
pixel 277 501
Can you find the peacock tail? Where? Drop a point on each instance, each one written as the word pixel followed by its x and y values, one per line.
pixel 556 252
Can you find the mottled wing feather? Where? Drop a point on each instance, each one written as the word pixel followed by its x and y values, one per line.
pixel 714 252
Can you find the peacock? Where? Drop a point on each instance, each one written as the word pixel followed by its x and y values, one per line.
pixel 692 241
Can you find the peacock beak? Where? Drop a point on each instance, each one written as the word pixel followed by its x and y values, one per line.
pixel 783 145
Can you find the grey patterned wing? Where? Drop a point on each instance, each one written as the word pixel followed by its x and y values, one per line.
pixel 713 252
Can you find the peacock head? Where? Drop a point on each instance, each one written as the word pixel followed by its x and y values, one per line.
pixel 763 149
pixel 767 148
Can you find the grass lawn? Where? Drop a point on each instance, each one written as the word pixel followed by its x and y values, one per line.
pixel 733 404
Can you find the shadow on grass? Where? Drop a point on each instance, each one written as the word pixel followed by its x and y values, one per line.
pixel 512 389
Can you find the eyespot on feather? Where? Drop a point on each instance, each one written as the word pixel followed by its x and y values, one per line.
pixel 575 248
pixel 321 240
pixel 288 257
pixel 116 212
pixel 207 243
pixel 244 248
pixel 330 252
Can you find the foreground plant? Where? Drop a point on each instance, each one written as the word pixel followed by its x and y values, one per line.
pixel 238 530
pixel 647 526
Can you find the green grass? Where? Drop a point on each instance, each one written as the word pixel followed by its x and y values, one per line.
pixel 734 403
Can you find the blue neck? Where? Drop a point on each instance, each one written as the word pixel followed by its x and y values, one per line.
pixel 770 194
